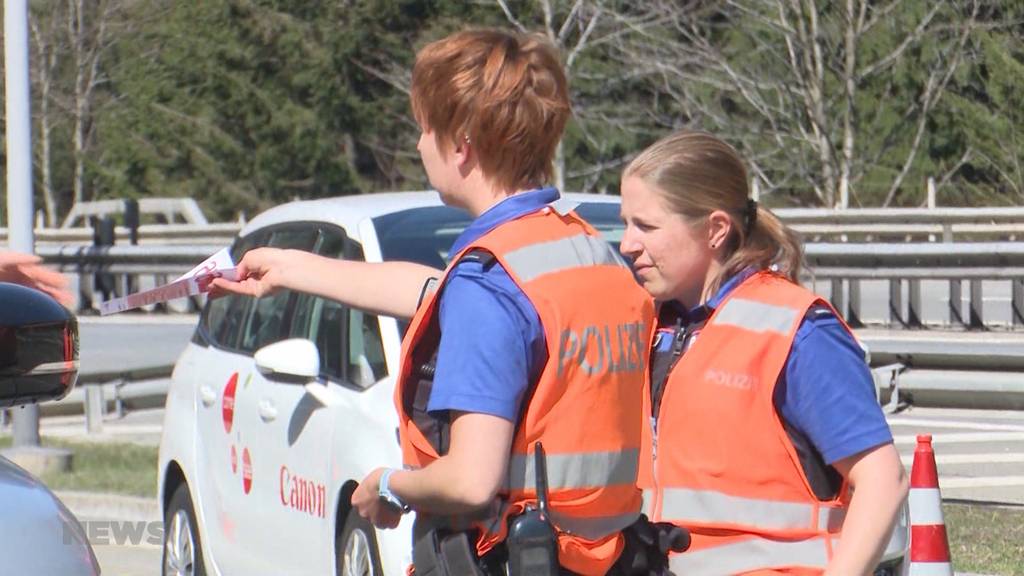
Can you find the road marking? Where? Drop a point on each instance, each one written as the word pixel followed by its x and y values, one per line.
pixel 962 438
pixel 994 458
pixel 111 430
pixel 980 482
pixel 954 424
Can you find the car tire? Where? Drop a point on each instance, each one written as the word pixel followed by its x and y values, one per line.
pixel 356 548
pixel 183 553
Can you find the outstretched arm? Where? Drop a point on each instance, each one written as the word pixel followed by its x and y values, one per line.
pixel 388 288
pixel 27 270
pixel 880 487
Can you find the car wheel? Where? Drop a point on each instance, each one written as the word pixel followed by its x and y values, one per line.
pixel 356 548
pixel 183 554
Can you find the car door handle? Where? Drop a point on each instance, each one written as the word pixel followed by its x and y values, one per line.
pixel 267 410
pixel 207 396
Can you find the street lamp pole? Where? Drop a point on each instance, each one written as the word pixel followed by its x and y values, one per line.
pixel 20 235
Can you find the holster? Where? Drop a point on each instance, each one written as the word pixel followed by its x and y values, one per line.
pixel 438 552
pixel 647 546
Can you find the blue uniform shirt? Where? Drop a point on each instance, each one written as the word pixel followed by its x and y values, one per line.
pixel 492 342
pixel 826 391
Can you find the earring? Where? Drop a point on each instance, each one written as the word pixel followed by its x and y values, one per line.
pixel 713 245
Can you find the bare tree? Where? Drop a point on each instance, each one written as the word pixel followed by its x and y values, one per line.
pixel 582 30
pixel 801 85
pixel 48 46
pixel 88 32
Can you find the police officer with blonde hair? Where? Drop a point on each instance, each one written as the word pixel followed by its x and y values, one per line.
pixel 765 439
pixel 505 351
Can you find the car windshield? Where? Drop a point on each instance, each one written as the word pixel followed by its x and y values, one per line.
pixel 425 235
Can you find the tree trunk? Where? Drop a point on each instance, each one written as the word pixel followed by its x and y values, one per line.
pixel 46 56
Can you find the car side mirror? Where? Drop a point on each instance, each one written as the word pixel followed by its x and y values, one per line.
pixel 38 347
pixel 295 360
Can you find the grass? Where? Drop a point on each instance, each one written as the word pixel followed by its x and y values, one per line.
pixel 985 540
pixel 119 468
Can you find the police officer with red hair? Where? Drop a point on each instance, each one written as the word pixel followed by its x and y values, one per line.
pixel 508 347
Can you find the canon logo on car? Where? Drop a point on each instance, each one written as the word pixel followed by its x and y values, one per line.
pixel 228 402
pixel 303 494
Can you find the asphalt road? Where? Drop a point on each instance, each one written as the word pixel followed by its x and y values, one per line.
pixel 126 342
pixel 979 453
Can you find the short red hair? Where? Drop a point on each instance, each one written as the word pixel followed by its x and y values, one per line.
pixel 505 92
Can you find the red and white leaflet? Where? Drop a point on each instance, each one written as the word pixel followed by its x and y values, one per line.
pixel 219 261
pixel 195 281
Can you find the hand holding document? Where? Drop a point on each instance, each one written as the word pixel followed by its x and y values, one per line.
pixel 195 281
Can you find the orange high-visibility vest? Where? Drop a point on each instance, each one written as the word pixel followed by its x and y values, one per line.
pixel 586 405
pixel 720 462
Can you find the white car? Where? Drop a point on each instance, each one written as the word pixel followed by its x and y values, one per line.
pixel 258 460
pixel 280 406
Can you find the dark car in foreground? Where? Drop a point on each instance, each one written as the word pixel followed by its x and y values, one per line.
pixel 38 362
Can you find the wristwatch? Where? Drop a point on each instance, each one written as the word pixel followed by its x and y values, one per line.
pixel 387 496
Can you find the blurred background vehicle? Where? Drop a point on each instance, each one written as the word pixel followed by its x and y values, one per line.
pixel 38 362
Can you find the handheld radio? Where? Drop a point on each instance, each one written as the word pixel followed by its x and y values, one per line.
pixel 532 540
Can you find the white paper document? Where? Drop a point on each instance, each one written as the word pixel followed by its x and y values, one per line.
pixel 195 281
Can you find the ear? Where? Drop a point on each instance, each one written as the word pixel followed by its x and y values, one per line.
pixel 719 228
pixel 464 153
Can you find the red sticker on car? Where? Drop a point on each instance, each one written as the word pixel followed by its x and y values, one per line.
pixel 228 402
pixel 246 471
pixel 234 460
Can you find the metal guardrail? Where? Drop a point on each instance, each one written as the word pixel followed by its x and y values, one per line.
pixel 815 224
pixel 845 267
pixel 149 235
pixel 130 268
pixel 168 208
pixel 1007 215
pixel 906 224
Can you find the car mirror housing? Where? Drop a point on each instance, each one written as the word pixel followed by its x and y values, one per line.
pixel 295 360
pixel 38 347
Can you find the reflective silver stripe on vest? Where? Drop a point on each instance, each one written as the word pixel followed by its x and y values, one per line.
pixel 756 316
pixel 708 508
pixel 753 554
pixel 648 507
pixel 593 528
pixel 575 470
pixel 535 260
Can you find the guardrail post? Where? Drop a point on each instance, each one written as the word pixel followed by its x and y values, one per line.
pixel 914 303
pixel 103 235
pixel 947 233
pixel 896 302
pixel 1017 302
pixel 977 302
pixel 853 304
pixel 836 294
pixel 956 303
pixel 94 408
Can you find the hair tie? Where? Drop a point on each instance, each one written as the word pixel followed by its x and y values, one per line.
pixel 750 218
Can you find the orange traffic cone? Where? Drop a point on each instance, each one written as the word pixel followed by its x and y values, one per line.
pixel 929 546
